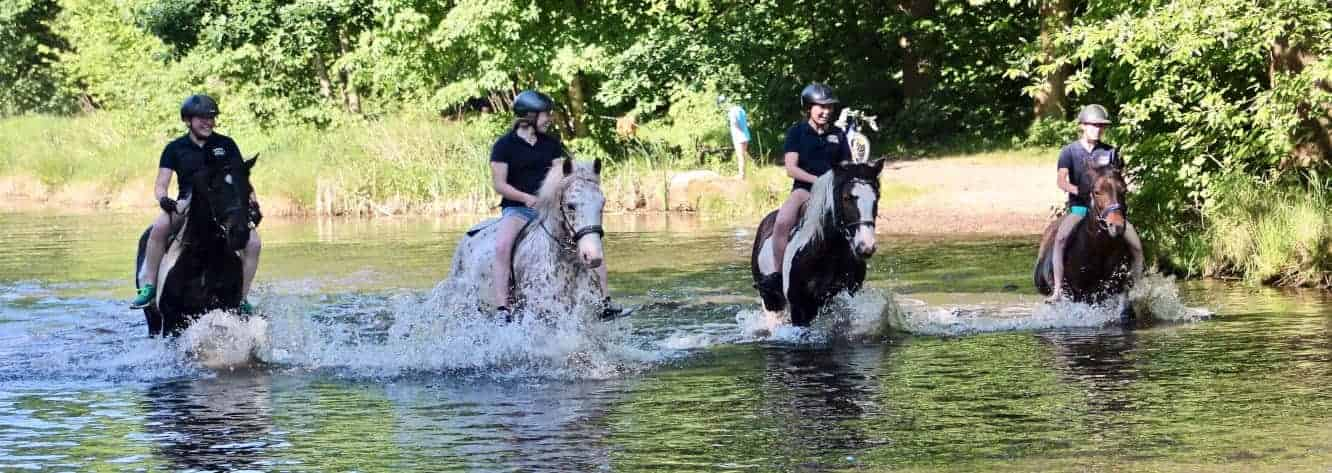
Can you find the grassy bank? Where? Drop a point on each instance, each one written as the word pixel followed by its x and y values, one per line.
pixel 399 165
pixel 1259 232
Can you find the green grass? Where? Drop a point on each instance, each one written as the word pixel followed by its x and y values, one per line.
pixel 1274 234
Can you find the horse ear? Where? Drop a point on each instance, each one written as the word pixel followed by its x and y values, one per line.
pixel 877 166
pixel 250 164
pixel 568 166
pixel 596 166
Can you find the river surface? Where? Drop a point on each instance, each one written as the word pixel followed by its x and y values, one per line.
pixel 357 370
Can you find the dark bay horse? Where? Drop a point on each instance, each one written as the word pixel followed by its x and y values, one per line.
pixel 829 245
pixel 201 269
pixel 1097 259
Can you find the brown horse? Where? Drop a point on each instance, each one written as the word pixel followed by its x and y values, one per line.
pixel 1097 259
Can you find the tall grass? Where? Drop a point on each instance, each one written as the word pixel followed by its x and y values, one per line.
pixel 1270 233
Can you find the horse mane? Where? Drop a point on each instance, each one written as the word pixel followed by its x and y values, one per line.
pixel 548 196
pixel 818 207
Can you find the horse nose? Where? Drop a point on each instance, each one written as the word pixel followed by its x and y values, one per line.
pixel 868 250
pixel 592 262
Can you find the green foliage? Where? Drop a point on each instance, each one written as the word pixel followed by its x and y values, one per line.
pixel 1199 99
pixel 1269 233
pixel 28 46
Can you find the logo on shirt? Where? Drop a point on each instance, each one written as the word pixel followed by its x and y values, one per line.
pixel 1101 158
pixel 833 138
pixel 219 152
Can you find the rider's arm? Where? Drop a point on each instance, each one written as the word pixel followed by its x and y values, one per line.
pixel 793 169
pixel 499 176
pixel 163 182
pixel 1063 183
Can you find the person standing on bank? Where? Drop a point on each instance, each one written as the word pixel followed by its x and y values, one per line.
pixel 182 158
pixel 1074 160
pixel 738 124
pixel 812 148
pixel 519 162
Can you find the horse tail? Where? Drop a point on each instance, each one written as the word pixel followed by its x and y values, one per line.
pixel 142 254
pixel 764 231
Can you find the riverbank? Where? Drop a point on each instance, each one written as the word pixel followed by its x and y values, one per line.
pixel 975 194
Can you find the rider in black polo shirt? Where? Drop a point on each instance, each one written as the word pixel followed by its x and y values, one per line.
pixel 812 148
pixel 519 161
pixel 183 157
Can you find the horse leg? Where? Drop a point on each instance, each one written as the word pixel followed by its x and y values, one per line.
pixel 154 319
pixel 803 308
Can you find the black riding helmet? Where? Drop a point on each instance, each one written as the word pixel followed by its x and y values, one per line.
pixel 531 102
pixel 198 105
pixel 816 93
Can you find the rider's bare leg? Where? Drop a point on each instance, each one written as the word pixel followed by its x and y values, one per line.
pixel 1135 246
pixel 741 152
pixel 786 218
pixel 152 259
pixel 250 262
pixel 1066 226
pixel 502 266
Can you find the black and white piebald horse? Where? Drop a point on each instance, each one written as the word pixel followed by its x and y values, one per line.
pixel 828 247
pixel 201 268
pixel 555 257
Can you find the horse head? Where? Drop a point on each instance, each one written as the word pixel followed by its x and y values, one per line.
pixel 572 195
pixel 223 187
pixel 856 194
pixel 1106 186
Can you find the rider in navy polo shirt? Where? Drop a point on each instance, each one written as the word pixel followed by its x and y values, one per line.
pixel 183 157
pixel 519 162
pixel 813 147
pixel 1074 160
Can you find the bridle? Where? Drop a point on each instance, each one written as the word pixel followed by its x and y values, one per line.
pixel 570 245
pixel 849 229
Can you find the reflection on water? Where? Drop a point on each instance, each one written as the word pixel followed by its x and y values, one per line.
pixel 362 376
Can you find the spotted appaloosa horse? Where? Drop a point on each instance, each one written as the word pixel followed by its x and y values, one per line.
pixel 201 270
pixel 555 256
pixel 1097 259
pixel 829 246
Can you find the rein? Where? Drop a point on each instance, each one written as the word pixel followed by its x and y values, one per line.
pixel 569 246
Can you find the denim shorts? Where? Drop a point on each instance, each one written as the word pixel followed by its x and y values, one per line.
pixel 526 213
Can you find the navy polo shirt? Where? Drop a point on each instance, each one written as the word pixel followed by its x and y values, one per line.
pixel 185 158
pixel 817 152
pixel 528 163
pixel 1077 159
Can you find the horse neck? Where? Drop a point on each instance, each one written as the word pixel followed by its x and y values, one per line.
pixel 201 228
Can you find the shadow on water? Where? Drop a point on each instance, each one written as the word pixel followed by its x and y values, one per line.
pixel 221 423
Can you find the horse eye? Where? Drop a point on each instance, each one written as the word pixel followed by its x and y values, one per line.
pixel 569 206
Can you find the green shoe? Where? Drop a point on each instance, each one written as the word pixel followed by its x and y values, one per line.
pixel 245 308
pixel 145 296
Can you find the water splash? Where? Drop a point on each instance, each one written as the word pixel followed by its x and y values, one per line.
pixel 441 332
pixel 220 341
pixel 845 318
pixel 1155 298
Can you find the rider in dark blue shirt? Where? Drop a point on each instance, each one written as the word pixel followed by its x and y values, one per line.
pixel 813 147
pixel 183 157
pixel 519 162
pixel 1074 160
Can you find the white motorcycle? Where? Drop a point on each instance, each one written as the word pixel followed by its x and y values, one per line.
pixel 850 122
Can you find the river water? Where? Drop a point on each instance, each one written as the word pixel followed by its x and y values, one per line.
pixel 360 368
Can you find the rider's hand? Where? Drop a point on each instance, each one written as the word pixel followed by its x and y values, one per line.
pixel 168 205
pixel 530 201
pixel 255 215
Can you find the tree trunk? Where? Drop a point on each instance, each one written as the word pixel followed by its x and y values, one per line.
pixel 1313 140
pixel 916 71
pixel 350 98
pixel 577 105
pixel 1051 99
pixel 321 74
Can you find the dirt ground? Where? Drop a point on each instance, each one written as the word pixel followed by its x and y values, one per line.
pixel 963 196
